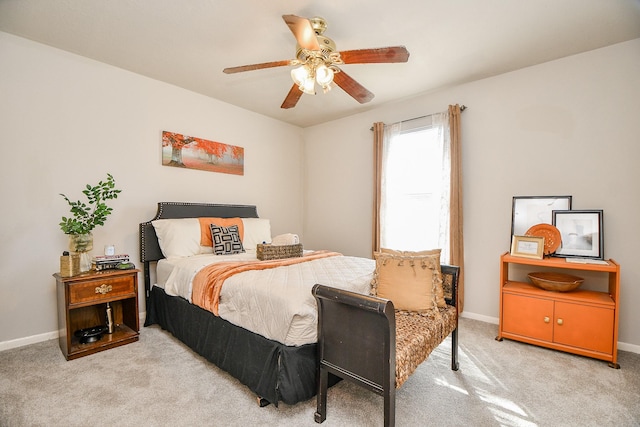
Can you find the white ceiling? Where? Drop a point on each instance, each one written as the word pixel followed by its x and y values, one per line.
pixel 188 42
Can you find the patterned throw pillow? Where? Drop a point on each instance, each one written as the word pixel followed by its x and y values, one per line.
pixel 226 240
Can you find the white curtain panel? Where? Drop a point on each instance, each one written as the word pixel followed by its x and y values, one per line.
pixel 416 191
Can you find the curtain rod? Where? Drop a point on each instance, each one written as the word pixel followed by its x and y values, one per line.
pixel 462 108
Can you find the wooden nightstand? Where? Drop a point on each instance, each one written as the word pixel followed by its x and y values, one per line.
pixel 82 303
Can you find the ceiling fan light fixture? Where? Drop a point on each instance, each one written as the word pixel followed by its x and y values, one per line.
pixel 300 74
pixel 308 86
pixel 324 75
pixel 307 75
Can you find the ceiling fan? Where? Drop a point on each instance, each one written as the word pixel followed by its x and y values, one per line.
pixel 317 61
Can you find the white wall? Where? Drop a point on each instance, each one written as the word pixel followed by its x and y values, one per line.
pixel 66 121
pixel 565 127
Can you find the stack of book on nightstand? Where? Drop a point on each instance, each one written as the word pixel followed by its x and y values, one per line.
pixel 108 262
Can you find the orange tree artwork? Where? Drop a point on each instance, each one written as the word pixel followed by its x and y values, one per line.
pixel 197 153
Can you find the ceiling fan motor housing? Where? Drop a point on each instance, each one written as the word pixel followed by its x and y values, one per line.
pixel 327 47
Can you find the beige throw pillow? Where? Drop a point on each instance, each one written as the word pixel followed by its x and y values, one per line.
pixel 412 280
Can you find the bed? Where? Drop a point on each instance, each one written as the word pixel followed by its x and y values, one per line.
pixel 277 367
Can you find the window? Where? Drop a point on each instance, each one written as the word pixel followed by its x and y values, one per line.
pixel 415 186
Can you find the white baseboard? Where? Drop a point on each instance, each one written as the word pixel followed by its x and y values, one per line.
pixel 632 348
pixel 21 342
pixel 480 317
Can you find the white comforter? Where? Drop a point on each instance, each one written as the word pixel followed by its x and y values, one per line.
pixel 276 303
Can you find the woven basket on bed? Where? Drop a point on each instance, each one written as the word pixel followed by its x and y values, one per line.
pixel 266 252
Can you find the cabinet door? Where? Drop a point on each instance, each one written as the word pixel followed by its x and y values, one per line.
pixel 527 316
pixel 584 326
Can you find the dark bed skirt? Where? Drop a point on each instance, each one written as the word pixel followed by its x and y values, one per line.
pixel 274 371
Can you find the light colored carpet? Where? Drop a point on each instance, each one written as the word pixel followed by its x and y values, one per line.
pixel 160 382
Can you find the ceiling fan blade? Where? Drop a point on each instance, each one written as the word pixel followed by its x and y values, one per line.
pixel 302 31
pixel 252 67
pixel 292 97
pixel 352 87
pixel 378 55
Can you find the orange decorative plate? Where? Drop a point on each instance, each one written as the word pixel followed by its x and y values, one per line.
pixel 551 234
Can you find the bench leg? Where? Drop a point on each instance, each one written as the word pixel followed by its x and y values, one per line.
pixel 454 349
pixel 390 406
pixel 321 398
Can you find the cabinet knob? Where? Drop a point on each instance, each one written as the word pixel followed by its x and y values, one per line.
pixel 103 289
pixel 560 321
pixel 546 319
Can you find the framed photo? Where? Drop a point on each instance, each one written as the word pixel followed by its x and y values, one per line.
pixel 531 210
pixel 581 233
pixel 527 246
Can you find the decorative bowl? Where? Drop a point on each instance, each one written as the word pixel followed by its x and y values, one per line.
pixel 557 282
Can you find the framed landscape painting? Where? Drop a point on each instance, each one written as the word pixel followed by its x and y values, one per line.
pixel 184 151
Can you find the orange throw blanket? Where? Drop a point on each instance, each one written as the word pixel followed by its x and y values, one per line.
pixel 207 283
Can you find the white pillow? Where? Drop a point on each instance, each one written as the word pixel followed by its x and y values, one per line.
pixel 256 230
pixel 178 237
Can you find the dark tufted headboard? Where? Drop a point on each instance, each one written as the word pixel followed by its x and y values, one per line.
pixel 149 247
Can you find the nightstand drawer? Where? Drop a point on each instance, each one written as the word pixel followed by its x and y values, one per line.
pixel 97 290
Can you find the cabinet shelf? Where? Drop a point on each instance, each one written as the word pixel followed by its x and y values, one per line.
pixel 121 335
pixel 583 296
pixel 583 322
pixel 610 266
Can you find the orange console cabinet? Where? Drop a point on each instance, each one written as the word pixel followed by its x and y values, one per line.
pixel 583 322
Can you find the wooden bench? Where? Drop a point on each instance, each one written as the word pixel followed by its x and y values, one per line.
pixel 363 339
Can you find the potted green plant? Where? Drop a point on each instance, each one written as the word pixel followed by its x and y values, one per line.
pixel 87 216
